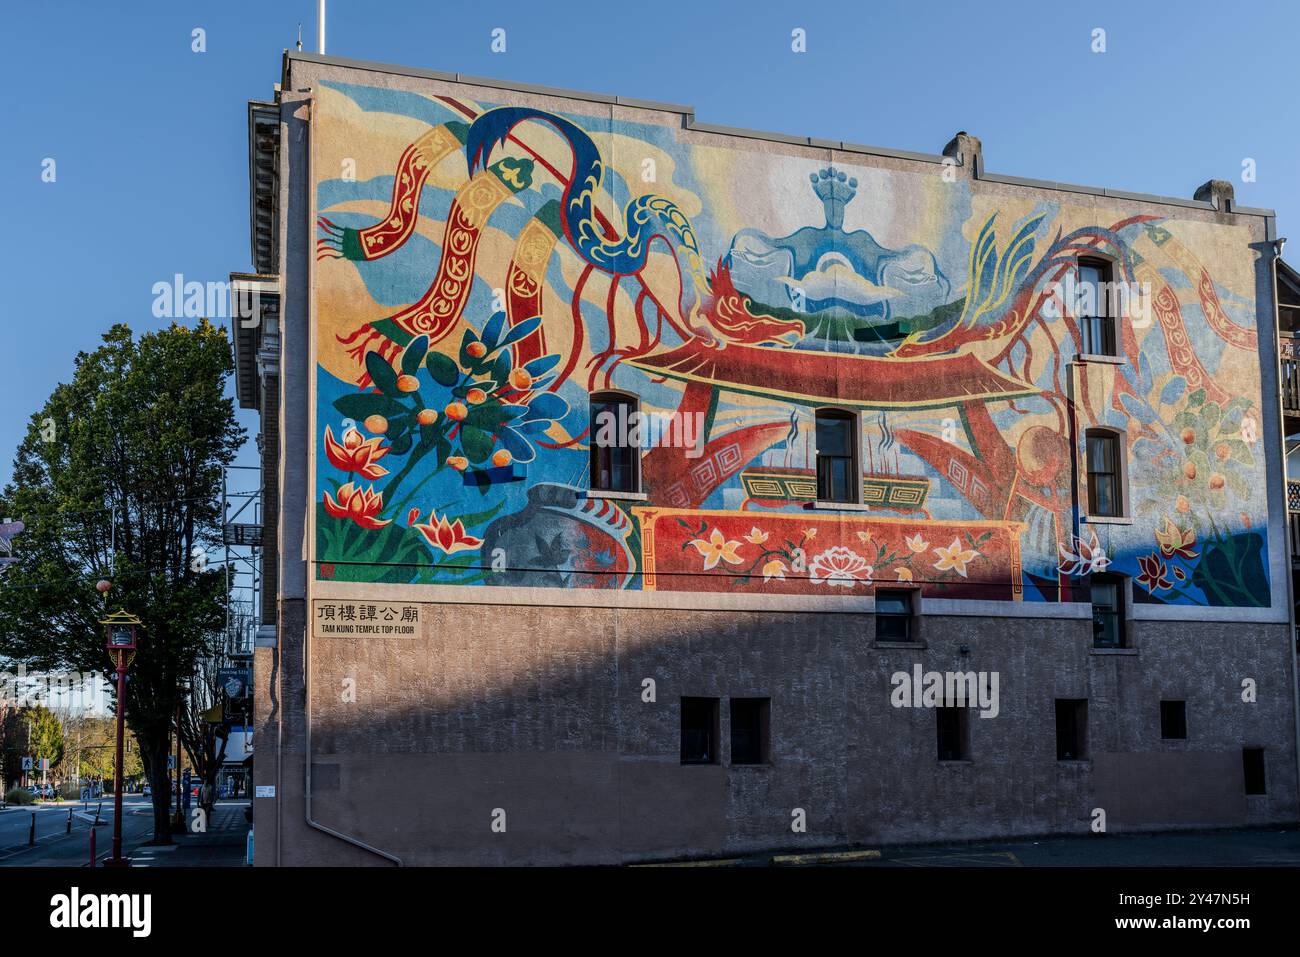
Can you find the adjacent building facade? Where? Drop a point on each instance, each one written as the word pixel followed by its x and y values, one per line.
pixel 637 488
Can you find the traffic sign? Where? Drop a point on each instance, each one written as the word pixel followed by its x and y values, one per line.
pixel 27 764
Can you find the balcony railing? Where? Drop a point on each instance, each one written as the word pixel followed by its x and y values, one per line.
pixel 1289 350
pixel 1293 518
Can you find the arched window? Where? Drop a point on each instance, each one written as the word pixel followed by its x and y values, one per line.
pixel 837 456
pixel 1105 473
pixel 615 442
pixel 1095 308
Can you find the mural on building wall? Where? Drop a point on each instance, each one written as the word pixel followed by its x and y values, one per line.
pixel 482 270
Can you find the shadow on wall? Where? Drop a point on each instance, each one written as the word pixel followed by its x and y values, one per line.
pixel 553 735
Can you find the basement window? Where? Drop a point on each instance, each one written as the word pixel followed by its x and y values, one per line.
pixel 1071 729
pixel 699 730
pixel 954 732
pixel 1173 719
pixel 750 730
pixel 1252 766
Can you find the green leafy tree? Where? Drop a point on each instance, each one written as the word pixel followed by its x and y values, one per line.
pixel 119 477
pixel 46 732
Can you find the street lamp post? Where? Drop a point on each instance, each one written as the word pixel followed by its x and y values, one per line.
pixel 121 627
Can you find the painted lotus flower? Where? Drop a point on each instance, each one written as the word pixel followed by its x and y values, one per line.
pixel 1086 557
pixel 904 574
pixel 865 537
pixel 1176 541
pixel 1153 573
pixel 955 557
pixel 360 505
pixel 755 537
pixel 355 454
pixel 916 543
pixel 773 569
pixel 1249 430
pixel 839 566
pixel 716 549
pixel 448 537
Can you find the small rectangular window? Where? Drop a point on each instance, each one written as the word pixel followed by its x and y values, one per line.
pixel 1095 308
pixel 615 461
pixel 953 728
pixel 1071 729
pixel 837 479
pixel 1173 719
pixel 1107 611
pixel 1252 766
pixel 750 724
pixel 893 615
pixel 699 730
pixel 1103 474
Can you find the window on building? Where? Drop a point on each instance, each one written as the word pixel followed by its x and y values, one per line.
pixel 1095 308
pixel 699 730
pixel 1105 496
pixel 1173 719
pixel 837 479
pixel 750 730
pixel 893 615
pixel 1071 729
pixel 1107 611
pixel 615 461
pixel 953 727
pixel 1252 765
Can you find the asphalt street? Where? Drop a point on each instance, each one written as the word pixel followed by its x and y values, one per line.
pixel 54 845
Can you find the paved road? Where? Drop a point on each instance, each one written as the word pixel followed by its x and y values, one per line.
pixel 55 846
pixel 1253 847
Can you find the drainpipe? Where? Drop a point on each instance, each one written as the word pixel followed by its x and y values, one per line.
pixel 1277 244
pixel 310 103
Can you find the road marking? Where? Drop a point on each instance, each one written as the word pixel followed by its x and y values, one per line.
pixel 989 859
pixel 828 857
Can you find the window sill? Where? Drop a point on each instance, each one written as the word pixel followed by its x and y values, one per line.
pixel 955 762
pixel 1086 357
pixel 822 506
pixel 1112 651
pixel 765 766
pixel 904 645
pixel 617 496
pixel 1108 519
pixel 1076 763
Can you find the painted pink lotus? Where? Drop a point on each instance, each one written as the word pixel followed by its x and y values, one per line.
pixel 448 537
pixel 360 505
pixel 839 566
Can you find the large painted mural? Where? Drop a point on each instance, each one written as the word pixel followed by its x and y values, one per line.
pixel 482 270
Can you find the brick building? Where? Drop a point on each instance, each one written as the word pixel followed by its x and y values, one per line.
pixel 638 488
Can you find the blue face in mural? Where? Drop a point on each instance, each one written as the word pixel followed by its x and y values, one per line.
pixel 492 277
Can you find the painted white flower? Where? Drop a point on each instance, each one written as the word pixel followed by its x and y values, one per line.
pixel 839 566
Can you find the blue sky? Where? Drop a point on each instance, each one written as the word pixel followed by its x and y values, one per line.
pixel 150 139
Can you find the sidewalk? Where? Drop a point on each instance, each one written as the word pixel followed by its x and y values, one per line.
pixel 223 844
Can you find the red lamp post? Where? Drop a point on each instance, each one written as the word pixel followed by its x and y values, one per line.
pixel 121 627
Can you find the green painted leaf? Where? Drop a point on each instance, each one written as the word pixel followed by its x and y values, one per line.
pixel 364 404
pixel 476 443
pixel 413 357
pixel 442 368
pixel 382 373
